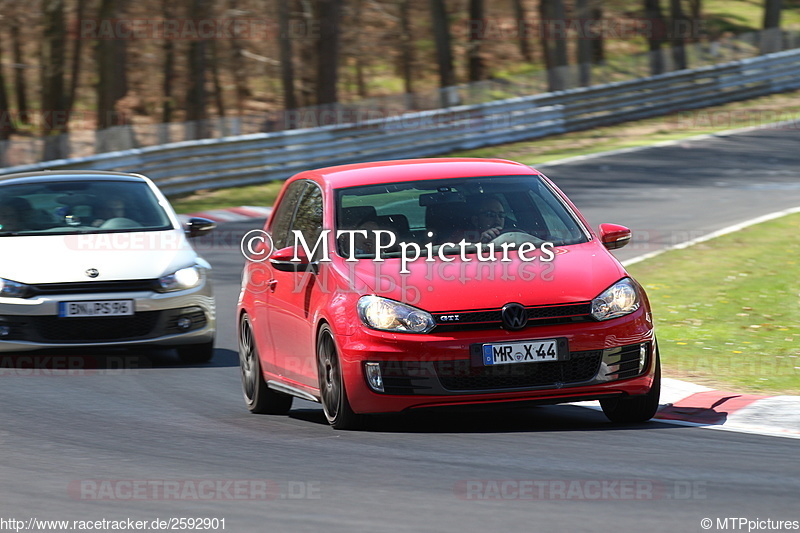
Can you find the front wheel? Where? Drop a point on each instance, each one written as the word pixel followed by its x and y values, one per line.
pixel 637 408
pixel 331 384
pixel 260 399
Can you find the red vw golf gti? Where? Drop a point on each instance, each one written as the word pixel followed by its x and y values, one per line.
pixel 383 287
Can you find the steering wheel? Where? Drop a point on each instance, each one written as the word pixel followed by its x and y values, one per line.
pixel 120 223
pixel 516 236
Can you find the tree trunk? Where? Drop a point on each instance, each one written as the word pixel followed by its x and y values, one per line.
pixel 771 36
pixel 237 67
pixel 77 48
pixel 308 55
pixel 52 76
pixel 696 14
pixel 111 59
pixel 522 34
pixel 329 16
pixel 168 48
pixel 584 44
pixel 20 84
pixel 554 43
pixel 444 51
pixel 6 122
pixel 598 44
pixel 358 50
pixel 286 55
pixel 678 31
pixel 477 70
pixel 196 95
pixel 406 47
pixel 219 96
pixel 658 26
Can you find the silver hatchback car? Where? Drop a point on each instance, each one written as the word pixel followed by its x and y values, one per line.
pixel 90 259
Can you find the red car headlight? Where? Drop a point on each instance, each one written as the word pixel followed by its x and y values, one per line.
pixel 620 299
pixel 389 315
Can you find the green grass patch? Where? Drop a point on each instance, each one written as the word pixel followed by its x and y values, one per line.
pixel 727 311
pixel 263 195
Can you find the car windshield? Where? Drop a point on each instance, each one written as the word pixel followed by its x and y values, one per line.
pixel 515 209
pixel 63 207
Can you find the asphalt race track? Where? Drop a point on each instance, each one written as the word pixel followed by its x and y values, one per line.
pixel 135 435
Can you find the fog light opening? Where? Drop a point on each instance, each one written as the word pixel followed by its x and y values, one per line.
pixel 374 376
pixel 5 331
pixel 184 322
pixel 642 357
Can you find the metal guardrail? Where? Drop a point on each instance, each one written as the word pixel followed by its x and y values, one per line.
pixel 256 158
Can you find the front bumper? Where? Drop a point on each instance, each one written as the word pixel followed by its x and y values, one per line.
pixel 605 359
pixel 33 323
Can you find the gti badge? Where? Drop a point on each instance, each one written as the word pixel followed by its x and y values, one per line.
pixel 92 272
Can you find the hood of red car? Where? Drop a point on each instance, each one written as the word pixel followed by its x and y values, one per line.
pixel 577 273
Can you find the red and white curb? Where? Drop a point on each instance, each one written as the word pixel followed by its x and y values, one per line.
pixel 686 403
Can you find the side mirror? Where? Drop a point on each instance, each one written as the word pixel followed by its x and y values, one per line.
pixel 614 236
pixel 196 226
pixel 283 260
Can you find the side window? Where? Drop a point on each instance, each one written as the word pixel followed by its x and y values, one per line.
pixel 284 212
pixel 309 218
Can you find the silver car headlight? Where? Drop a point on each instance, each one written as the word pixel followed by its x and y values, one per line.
pixel 390 315
pixel 185 278
pixel 13 289
pixel 620 299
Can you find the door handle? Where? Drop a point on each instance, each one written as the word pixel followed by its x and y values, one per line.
pixel 272 284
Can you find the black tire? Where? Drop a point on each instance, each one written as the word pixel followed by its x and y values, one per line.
pixel 258 397
pixel 331 385
pixel 636 408
pixel 193 354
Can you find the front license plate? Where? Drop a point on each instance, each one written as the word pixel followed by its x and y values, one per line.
pixel 96 308
pixel 510 353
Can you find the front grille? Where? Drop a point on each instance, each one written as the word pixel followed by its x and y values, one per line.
pixel 139 326
pixel 123 328
pixel 83 287
pixel 491 318
pixel 581 366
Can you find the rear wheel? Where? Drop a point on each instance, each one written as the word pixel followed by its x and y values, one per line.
pixel 331 384
pixel 260 399
pixel 636 408
pixel 196 353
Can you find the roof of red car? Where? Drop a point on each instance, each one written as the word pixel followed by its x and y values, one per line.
pixel 415 169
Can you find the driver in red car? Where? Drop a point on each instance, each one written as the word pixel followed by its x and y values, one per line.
pixel 487 221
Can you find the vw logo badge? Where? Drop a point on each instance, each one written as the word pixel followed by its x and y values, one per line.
pixel 514 316
pixel 92 272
